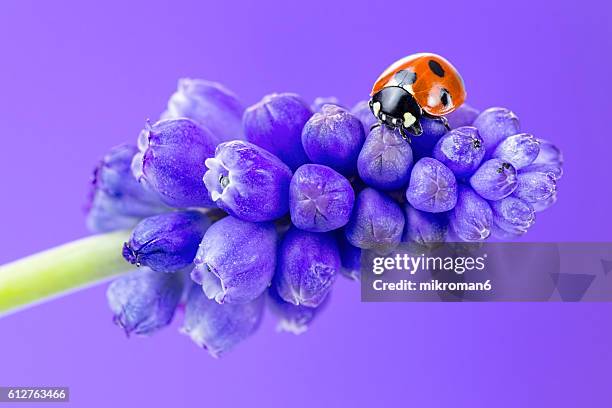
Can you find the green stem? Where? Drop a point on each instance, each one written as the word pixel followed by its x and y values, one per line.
pixel 61 269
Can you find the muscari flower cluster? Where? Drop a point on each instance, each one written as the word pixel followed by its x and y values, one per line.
pixel 234 208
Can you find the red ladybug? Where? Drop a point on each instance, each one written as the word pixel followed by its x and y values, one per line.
pixel 418 85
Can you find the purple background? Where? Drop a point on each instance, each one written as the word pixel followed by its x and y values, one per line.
pixel 77 79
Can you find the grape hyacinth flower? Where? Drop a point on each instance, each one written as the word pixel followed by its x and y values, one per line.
pixel 545 204
pixel 236 260
pixel 248 182
pixel 362 112
pixel 166 242
pixel 320 199
pixel 333 137
pixel 171 161
pixel 464 115
pixel 472 217
pixel 496 124
pixel 512 217
pixel 549 161
pixel 179 205
pixel 385 159
pixel 307 266
pixel 548 153
pixel 292 318
pixel 218 328
pixel 495 179
pixel 100 217
pixel 535 187
pixel 423 145
pixel 209 104
pixel 320 101
pixel 377 222
pixel 275 123
pixel 116 199
pixel 553 170
pixel 350 257
pixel 144 301
pixel 433 187
pixel 518 150
pixel 424 228
pixel 461 150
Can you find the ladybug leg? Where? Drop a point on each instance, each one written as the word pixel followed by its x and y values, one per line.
pixel 441 119
pixel 374 126
pixel 444 122
pixel 415 129
pixel 404 134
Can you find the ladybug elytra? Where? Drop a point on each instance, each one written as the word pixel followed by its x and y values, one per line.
pixel 419 85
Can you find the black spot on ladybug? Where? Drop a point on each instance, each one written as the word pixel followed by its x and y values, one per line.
pixel 406 77
pixel 444 98
pixel 436 68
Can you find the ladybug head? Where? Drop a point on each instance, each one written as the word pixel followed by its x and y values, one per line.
pixel 396 107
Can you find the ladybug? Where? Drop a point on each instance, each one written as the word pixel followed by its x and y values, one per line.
pixel 418 85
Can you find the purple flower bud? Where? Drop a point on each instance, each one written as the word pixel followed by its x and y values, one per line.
pixel 423 145
pixel 307 266
pixel 554 170
pixel 248 182
pixel 209 104
pixel 464 115
pixel 472 218
pixel 116 200
pixel 424 228
pixel 461 150
pixel 518 150
pixel 219 328
pixel 549 154
pixel 377 222
pixel 236 260
pixel 535 187
pixel 171 162
pixel 320 199
pixel 495 179
pixel 318 103
pixel 496 124
pixel 433 187
pixel 549 164
pixel 275 123
pixel 385 159
pixel 362 112
pixel 101 219
pixel 512 215
pixel 166 242
pixel 333 137
pixel 542 205
pixel 144 301
pixel 293 319
pixel 350 257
